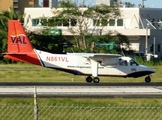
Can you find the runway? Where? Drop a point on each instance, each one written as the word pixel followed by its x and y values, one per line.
pixel 131 90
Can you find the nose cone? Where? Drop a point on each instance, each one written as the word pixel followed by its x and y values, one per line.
pixel 147 69
pixel 152 71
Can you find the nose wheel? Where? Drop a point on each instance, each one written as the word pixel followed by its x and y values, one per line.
pixel 95 79
pixel 147 79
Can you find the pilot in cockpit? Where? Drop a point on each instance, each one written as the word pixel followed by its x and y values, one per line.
pixel 123 62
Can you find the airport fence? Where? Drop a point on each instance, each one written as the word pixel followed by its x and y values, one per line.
pixel 81 112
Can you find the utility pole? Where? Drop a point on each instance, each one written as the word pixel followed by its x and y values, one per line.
pixel 143 3
pixel 83 4
pixel 146 41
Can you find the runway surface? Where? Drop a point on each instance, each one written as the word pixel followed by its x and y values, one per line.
pixel 132 90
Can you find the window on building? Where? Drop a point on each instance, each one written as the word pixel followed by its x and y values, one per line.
pixel 73 22
pixel 58 22
pixel 112 22
pixel 35 22
pixel 65 22
pixel 44 22
pixel 51 22
pixel 96 22
pixel 104 22
pixel 120 22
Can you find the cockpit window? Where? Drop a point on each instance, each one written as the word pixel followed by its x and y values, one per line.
pixel 123 62
pixel 133 63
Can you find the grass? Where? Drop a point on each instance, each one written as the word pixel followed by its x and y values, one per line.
pixel 81 108
pixel 94 102
pixel 32 73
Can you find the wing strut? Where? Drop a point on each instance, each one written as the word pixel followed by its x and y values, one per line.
pixel 94 67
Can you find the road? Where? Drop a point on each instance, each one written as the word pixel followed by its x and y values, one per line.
pixel 131 90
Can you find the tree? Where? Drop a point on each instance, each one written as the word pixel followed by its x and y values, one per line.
pixel 78 20
pixel 4 17
pixel 129 5
pixel 108 43
pixel 52 44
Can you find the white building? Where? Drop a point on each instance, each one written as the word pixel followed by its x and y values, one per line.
pixel 106 2
pixel 143 26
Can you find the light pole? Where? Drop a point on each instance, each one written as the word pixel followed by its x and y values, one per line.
pixel 146 40
pixel 154 47
pixel 143 3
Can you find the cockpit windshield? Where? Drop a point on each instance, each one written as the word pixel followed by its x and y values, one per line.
pixel 133 63
pixel 123 62
pixel 127 62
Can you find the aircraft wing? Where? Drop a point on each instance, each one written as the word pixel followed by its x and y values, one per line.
pixel 100 58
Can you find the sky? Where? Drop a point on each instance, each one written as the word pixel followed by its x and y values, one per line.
pixel 147 3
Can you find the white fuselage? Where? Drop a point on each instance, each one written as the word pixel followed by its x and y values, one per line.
pixel 77 64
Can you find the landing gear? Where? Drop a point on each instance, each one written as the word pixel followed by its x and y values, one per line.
pixel 147 79
pixel 95 79
pixel 89 79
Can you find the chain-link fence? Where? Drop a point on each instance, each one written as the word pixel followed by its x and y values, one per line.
pixel 81 112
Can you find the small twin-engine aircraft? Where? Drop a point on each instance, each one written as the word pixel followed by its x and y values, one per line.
pixel 91 65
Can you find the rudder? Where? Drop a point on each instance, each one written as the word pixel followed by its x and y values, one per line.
pixel 19 46
pixel 18 41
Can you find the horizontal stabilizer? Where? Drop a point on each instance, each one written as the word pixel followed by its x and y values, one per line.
pixel 8 53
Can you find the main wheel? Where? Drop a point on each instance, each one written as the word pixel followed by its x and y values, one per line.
pixel 147 79
pixel 96 80
pixel 89 79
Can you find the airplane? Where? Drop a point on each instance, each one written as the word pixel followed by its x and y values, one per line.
pixel 91 65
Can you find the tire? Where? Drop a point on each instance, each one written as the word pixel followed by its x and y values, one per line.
pixel 147 79
pixel 96 80
pixel 89 79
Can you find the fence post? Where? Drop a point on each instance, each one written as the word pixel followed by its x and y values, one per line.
pixel 35 105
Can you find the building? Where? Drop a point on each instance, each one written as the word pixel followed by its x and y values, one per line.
pixel 5 4
pixel 143 26
pixel 106 2
pixel 18 5
pixel 50 3
pixel 21 4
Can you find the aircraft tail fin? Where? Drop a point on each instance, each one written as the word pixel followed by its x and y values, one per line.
pixel 19 46
pixel 18 41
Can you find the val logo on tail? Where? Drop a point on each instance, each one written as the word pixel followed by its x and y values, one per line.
pixel 91 65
